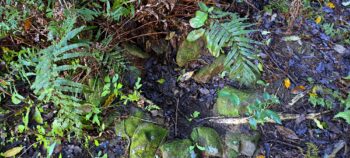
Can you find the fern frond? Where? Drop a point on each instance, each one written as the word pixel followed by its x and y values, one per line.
pixel 227 30
pixel 50 86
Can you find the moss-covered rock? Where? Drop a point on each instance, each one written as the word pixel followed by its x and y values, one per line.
pixel 127 127
pixel 178 149
pixel 240 144
pixel 232 102
pixel 146 139
pixel 135 51
pixel 209 139
pixel 209 71
pixel 188 51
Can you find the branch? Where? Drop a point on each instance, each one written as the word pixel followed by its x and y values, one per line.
pixel 244 120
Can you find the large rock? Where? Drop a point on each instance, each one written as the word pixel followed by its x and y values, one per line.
pixel 209 71
pixel 240 144
pixel 232 102
pixel 188 51
pixel 209 139
pixel 146 139
pixel 178 149
pixel 127 127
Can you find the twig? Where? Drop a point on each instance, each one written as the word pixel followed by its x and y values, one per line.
pixel 244 120
pixel 296 99
pixel 250 4
pixel 176 115
pixel 28 149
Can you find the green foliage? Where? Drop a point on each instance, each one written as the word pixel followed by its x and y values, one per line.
pixel 227 30
pixel 312 150
pixel 49 86
pixel 325 97
pixel 194 115
pixel 278 5
pixel 259 112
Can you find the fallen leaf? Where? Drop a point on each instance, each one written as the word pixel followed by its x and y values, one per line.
pixel 318 19
pixel 318 123
pixel 13 152
pixel 286 83
pixel 161 81
pixel 330 5
pixel 27 23
pixel 298 89
pixel 260 156
pixel 109 100
pixel 186 76
pixel 286 132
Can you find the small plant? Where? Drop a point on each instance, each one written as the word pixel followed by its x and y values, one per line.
pixel 194 115
pixel 227 31
pixel 259 112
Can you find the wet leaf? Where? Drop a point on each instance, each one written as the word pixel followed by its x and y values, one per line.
pixel 345 3
pixel 260 156
pixel 51 149
pixel 27 23
pixel 286 132
pixel 318 123
pixel 286 83
pixel 13 152
pixel 37 116
pixel 16 98
pixel 298 89
pixel 161 81
pixel 344 115
pixel 199 20
pixel 318 19
pixel 330 5
pixel 195 34
pixel 186 76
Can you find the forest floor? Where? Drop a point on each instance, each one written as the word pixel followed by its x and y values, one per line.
pixel 302 54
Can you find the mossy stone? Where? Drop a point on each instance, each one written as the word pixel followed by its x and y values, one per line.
pixel 209 139
pixel 232 102
pixel 188 51
pixel 209 71
pixel 146 140
pixel 178 149
pixel 135 51
pixel 128 126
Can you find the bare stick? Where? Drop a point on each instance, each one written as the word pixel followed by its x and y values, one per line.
pixel 244 120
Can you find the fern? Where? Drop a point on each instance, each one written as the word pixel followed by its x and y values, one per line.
pixel 312 151
pixel 229 32
pixel 50 86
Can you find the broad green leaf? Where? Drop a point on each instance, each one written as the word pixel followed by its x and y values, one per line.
pixel 235 99
pixel 203 7
pixel 344 115
pixel 50 150
pixel 37 116
pixel 16 98
pixel 274 116
pixel 195 34
pixel 199 20
pixel 253 123
pixel 13 152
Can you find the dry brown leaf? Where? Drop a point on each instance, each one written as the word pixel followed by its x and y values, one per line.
pixel 286 132
pixel 27 24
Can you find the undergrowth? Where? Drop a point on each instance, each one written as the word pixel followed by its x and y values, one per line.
pixel 226 32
